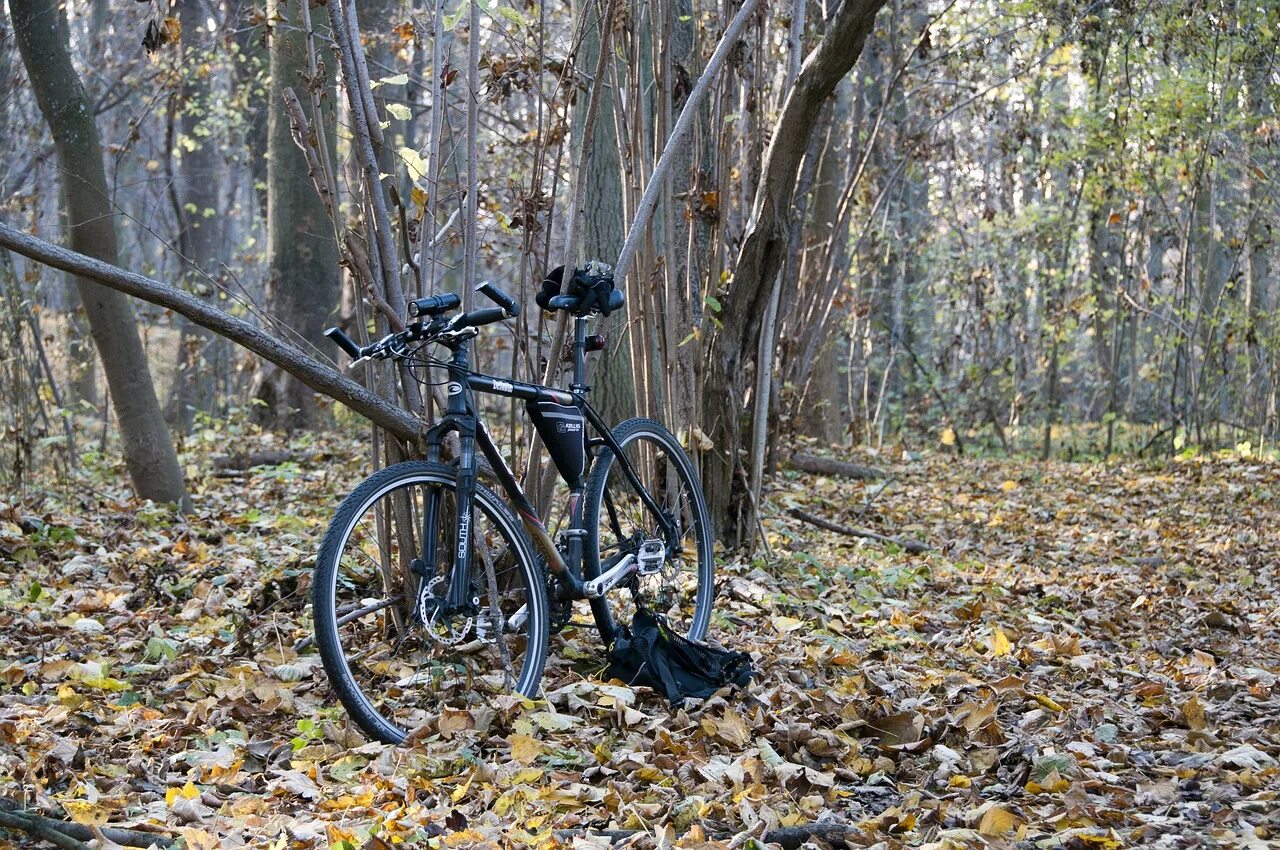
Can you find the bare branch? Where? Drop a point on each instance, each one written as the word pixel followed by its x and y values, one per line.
pixel 315 374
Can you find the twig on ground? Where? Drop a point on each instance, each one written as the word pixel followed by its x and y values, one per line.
pixel 871 500
pixel 913 546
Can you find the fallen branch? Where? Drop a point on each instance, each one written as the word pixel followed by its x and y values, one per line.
pixel 73 835
pixel 247 460
pixel 913 546
pixel 830 466
pixel 32 827
pixel 790 837
pixel 307 369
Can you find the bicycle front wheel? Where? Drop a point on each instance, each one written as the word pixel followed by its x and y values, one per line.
pixel 393 663
pixel 619 522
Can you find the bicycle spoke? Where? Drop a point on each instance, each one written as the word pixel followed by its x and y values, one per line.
pixel 401 666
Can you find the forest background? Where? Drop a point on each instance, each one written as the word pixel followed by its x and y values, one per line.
pixel 1009 233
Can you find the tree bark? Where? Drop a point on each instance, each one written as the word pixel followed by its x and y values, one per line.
pixel 832 466
pixel 201 227
pixel 288 357
pixel 41 31
pixel 612 386
pixel 302 255
pixel 763 250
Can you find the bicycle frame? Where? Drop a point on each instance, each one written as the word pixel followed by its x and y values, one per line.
pixel 461 417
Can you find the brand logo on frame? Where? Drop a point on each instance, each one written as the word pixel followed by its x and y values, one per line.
pixel 464 532
pixel 454 388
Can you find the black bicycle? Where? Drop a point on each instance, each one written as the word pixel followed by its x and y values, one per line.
pixel 430 595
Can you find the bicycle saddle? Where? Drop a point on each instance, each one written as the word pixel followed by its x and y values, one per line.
pixel 591 290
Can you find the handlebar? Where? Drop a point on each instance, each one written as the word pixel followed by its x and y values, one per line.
pixel 502 299
pixel 439 329
pixel 476 318
pixel 344 342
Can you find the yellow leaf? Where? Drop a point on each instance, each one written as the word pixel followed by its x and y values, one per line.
pixel 1193 713
pixel 414 162
pixel 67 696
pixel 787 624
pixel 732 729
pixel 198 839
pixel 1009 485
pixel 998 821
pixel 948 437
pixel 524 749
pixel 999 644
pixel 461 790
pixel 188 792
pixel 1048 703
pixel 1052 784
pixel 960 781
pixel 528 776
pixel 84 812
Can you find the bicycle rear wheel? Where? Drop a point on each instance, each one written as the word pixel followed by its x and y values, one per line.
pixel 618 522
pixel 391 670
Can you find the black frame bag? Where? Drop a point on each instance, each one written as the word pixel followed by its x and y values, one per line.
pixel 649 653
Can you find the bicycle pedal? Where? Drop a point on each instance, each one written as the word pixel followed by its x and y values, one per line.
pixel 651 557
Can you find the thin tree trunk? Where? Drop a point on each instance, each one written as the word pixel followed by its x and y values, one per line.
pixel 41 31
pixel 763 250
pixel 302 257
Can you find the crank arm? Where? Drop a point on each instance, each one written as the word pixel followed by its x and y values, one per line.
pixel 597 587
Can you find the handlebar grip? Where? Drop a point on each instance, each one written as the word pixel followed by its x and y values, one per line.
pixel 434 305
pixel 344 342
pixel 483 316
pixel 502 299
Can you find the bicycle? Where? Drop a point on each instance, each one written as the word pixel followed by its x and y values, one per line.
pixel 429 594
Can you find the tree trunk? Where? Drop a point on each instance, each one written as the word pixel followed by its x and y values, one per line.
pixel 41 30
pixel 302 256
pixel 763 250
pixel 202 357
pixel 612 387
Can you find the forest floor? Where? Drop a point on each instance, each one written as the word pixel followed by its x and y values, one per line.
pixel 1090 658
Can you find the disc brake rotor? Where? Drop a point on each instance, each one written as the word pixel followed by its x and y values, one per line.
pixel 441 627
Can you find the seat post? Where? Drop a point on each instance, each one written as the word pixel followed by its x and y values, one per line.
pixel 579 384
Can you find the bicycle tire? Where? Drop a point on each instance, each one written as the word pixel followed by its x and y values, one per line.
pixel 359 705
pixel 626 434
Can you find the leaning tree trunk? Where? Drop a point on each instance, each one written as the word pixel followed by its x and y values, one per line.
pixel 41 30
pixel 763 250
pixel 302 256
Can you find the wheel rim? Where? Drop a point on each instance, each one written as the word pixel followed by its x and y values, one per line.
pixel 681 591
pixel 400 672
